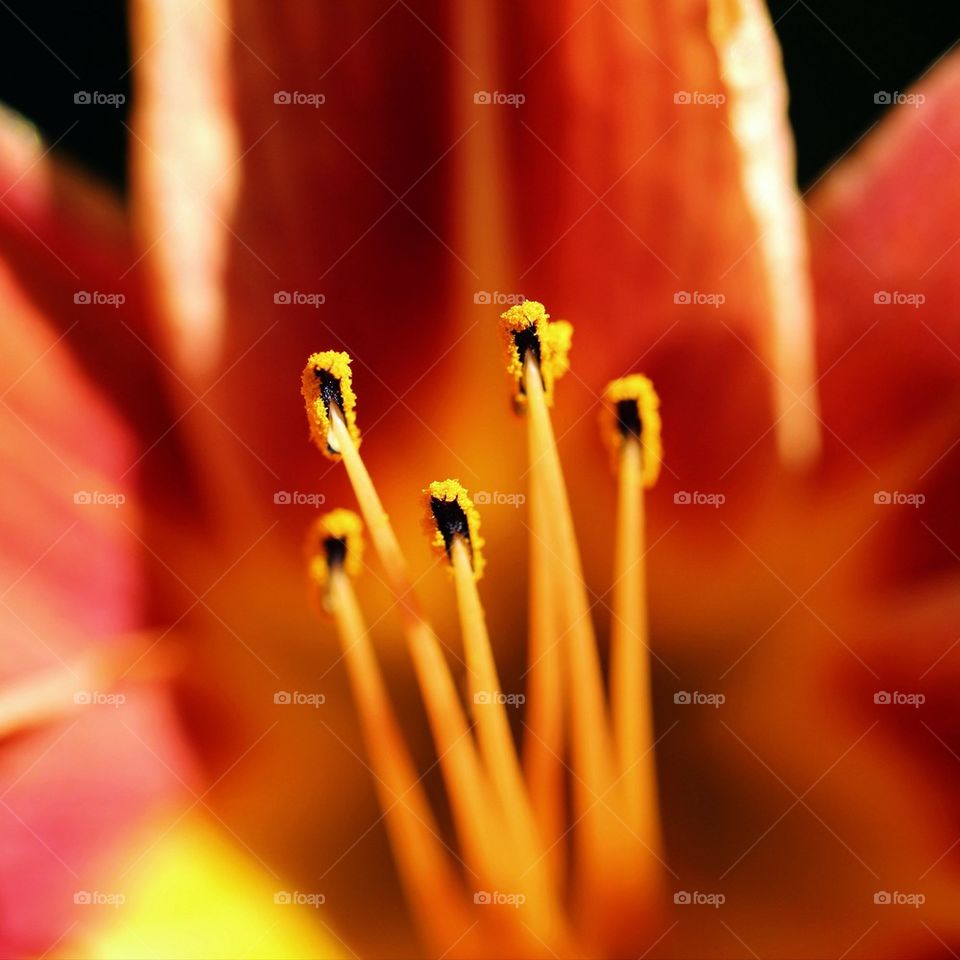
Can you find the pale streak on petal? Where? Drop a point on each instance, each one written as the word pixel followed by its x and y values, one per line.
pixel 752 72
pixel 186 176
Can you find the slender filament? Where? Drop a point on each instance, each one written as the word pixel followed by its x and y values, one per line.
pixel 543 727
pixel 435 893
pixel 599 826
pixel 474 813
pixel 630 661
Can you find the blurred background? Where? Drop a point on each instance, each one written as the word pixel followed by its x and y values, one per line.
pixel 286 791
pixel 831 88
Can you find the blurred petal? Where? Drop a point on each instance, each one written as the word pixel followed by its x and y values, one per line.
pixel 71 591
pixel 74 793
pixel 752 70
pixel 67 558
pixel 66 240
pixel 884 223
pixel 186 195
pixel 194 895
pixel 886 260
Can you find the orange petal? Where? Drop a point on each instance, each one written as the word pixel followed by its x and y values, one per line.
pixel 66 240
pixel 82 774
pixel 885 260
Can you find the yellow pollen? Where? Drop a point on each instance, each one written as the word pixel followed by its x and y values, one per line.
pixel 327 381
pixel 458 518
pixel 623 397
pixel 526 327
pixel 339 525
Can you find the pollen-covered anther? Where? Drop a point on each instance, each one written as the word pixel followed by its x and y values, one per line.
pixel 327 384
pixel 450 514
pixel 632 413
pixel 335 542
pixel 527 329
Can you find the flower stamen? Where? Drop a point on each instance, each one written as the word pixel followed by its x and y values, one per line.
pixel 467 785
pixel 633 430
pixel 327 387
pixel 452 515
pixel 335 542
pixel 430 883
pixel 633 413
pixel 455 524
pixel 591 742
pixel 527 331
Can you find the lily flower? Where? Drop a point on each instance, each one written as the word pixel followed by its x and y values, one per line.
pixel 381 181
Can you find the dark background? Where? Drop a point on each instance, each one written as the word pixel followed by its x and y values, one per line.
pixel 838 53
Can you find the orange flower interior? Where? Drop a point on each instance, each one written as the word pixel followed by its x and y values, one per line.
pixel 506 885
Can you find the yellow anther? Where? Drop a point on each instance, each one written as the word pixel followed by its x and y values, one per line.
pixel 450 513
pixel 327 381
pixel 632 411
pixel 527 329
pixel 335 540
